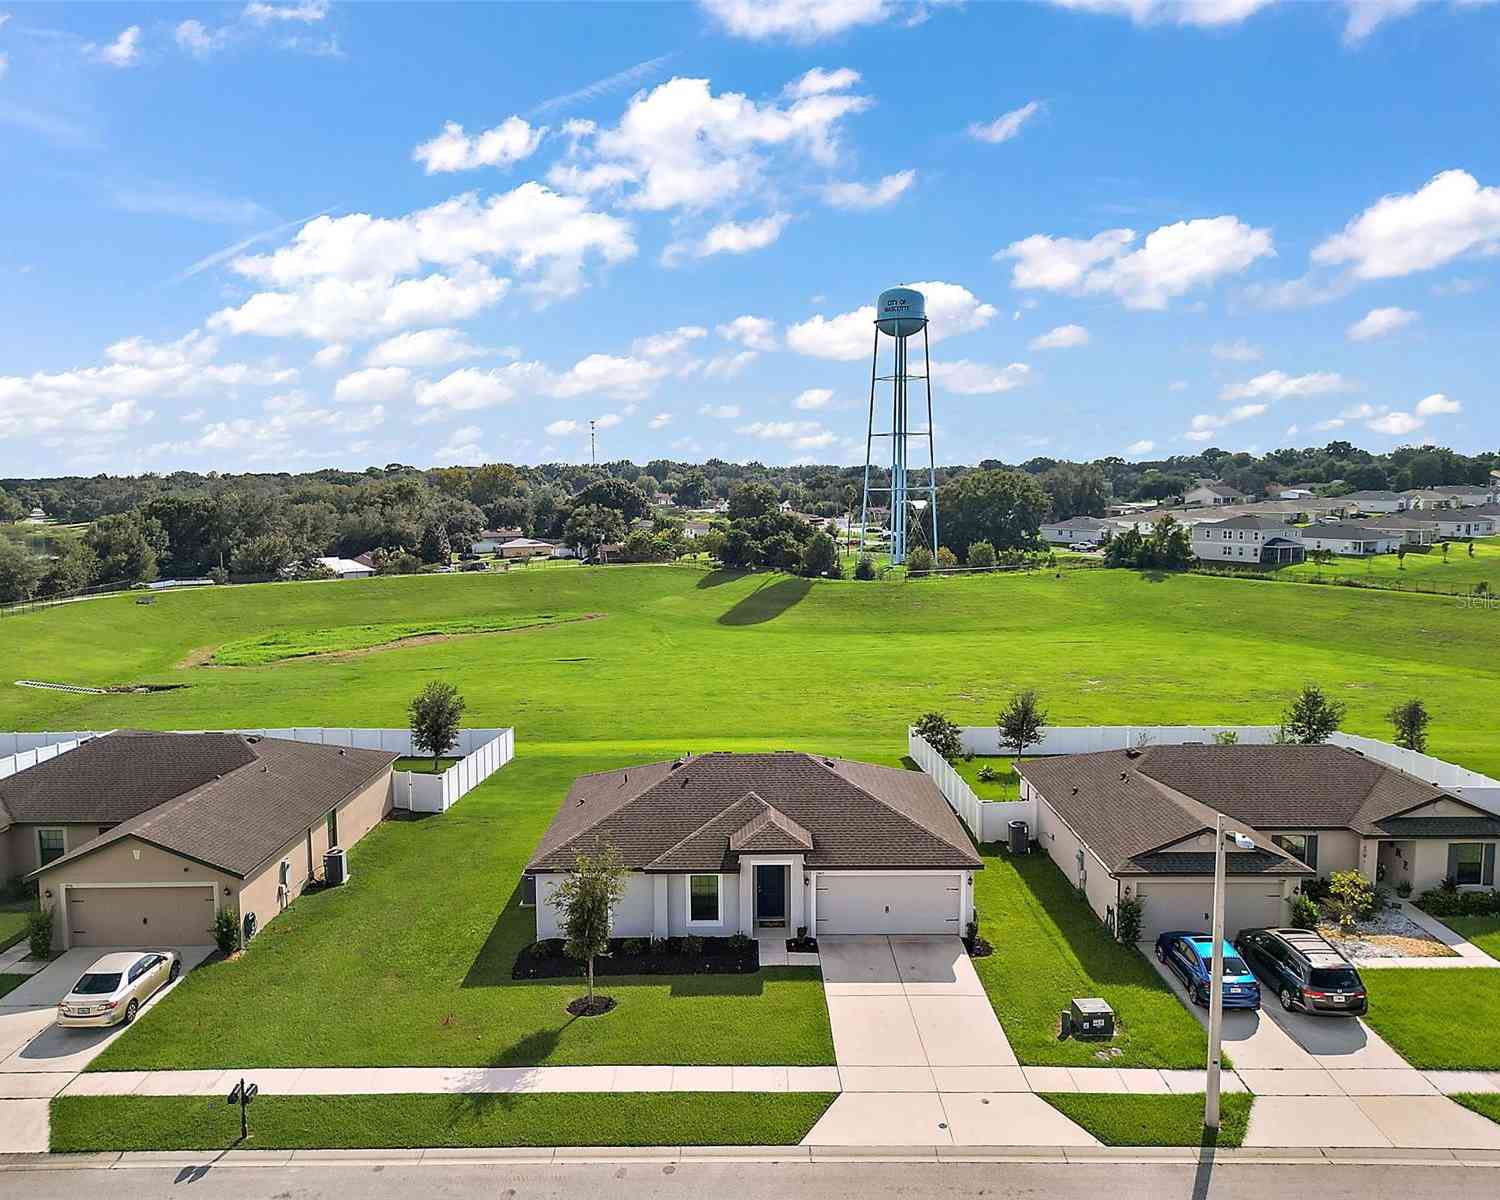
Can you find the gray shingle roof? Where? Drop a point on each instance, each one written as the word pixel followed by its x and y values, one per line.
pixel 1440 827
pixel 1346 532
pixel 1252 862
pixel 1249 521
pixel 236 821
pixel 668 817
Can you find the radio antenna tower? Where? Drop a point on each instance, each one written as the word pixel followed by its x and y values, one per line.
pixel 593 449
pixel 900 313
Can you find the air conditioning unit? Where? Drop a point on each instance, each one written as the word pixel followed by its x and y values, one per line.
pixel 336 866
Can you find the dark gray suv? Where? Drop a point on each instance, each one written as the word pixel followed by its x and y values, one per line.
pixel 1303 970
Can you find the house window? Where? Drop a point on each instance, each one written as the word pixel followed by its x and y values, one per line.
pixel 1467 862
pixel 333 827
pixel 1299 845
pixel 50 845
pixel 703 900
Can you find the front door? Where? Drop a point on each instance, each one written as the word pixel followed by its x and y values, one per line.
pixel 770 895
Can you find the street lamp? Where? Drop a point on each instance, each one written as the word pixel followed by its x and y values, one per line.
pixel 1216 983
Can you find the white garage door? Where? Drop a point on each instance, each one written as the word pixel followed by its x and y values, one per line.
pixel 141 916
pixel 926 903
pixel 1247 905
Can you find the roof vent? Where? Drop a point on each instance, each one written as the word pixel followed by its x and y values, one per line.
pixel 1124 774
pixel 1133 752
pixel 341 752
pixel 1075 791
pixel 252 738
pixel 828 762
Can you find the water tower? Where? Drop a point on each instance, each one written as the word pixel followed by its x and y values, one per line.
pixel 901 313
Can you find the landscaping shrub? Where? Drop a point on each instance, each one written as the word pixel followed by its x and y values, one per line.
pixel 692 945
pixel 1351 897
pixel 227 930
pixel 1304 913
pixel 1316 888
pixel 981 554
pixel 549 959
pixel 1128 918
pixel 864 568
pixel 939 733
pixel 946 558
pixel 988 774
pixel 39 933
pixel 1439 902
pixel 1403 889
pixel 919 562
pixel 740 943
pixel 635 947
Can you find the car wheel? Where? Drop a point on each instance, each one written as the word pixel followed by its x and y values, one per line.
pixel 1161 955
pixel 175 971
pixel 1286 999
pixel 130 1010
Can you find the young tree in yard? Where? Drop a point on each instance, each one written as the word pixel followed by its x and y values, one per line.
pixel 941 734
pixel 435 713
pixel 584 901
pixel 1021 722
pixel 1410 718
pixel 820 557
pixel 1311 717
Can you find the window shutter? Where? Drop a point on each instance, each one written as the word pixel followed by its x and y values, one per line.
pixel 1452 861
pixel 1312 851
pixel 1488 878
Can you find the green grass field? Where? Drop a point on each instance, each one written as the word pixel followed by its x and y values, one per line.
pixel 1007 787
pixel 1132 1120
pixel 14 915
pixel 85 1123
pixel 266 648
pixel 1419 569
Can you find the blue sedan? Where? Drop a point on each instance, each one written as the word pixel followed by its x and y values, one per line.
pixel 1190 956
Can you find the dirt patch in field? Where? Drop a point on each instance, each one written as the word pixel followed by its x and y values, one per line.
pixel 196 658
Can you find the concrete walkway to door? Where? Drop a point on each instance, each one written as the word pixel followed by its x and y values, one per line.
pixel 921 1056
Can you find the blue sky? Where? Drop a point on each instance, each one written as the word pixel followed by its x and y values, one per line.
pixel 293 235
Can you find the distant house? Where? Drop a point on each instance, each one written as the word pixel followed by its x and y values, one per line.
pixel 347 568
pixel 696 527
pixel 35 517
pixel 1248 540
pixel 525 547
pixel 1354 540
pixel 1466 522
pixel 1412 528
pixel 1379 501
pixel 490 540
pixel 1279 491
pixel 1078 529
pixel 1125 507
pixel 1458 495
pixel 1213 492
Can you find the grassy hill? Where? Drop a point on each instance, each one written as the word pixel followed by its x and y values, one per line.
pixel 681 657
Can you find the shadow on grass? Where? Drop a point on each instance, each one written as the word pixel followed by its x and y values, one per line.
pixel 714 578
pixel 514 928
pixel 767 602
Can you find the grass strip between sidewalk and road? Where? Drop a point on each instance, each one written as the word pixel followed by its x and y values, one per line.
pixel 1138 1120
pixel 96 1123
pixel 9 983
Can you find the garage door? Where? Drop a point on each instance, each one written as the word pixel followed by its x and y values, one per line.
pixel 1188 906
pixel 888 903
pixel 141 916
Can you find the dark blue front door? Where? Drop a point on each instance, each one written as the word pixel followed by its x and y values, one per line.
pixel 770 895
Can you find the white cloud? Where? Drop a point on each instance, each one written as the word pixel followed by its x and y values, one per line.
pixel 1006 126
pixel 818 81
pixel 727 366
pixel 855 195
pixel 799 435
pixel 4 62
pixel 665 345
pixel 1379 322
pixel 754 333
pixel 373 385
pixel 308 12
pixel 1202 13
pixel 681 146
pixel 729 237
pixel 1365 16
pixel 454 150
pixel 722 412
pixel 978 379
pixel 951 310
pixel 795 20
pixel 424 348
pixel 607 375
pixel 124 51
pixel 462 447
pixel 199 40
pixel 561 428
pixel 1061 338
pixel 1436 405
pixel 1278 385
pixel 1173 260
pixel 1144 446
pixel 813 398
pixel 1241 412
pixel 1449 216
pixel 660 421
pixel 469 389
pixel 1238 350
pixel 1397 424
pixel 331 356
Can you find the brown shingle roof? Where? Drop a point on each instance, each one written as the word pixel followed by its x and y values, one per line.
pixel 682 817
pixel 237 821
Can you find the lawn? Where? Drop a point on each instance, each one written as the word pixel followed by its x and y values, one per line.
pixel 9 983
pixel 424 766
pixel 1006 787
pixel 1438 1020
pixel 1484 932
pixel 1458 572
pixel 1134 1120
pixel 1486 1104
pixel 410 964
pixel 13 917
pixel 84 1123
pixel 1049 948
pixel 266 648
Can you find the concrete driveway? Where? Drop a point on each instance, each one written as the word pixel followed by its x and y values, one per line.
pixel 922 1058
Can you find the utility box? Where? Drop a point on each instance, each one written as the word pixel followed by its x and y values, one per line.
pixel 336 866
pixel 1091 1017
pixel 1020 837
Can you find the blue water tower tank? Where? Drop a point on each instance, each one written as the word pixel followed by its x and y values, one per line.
pixel 900 312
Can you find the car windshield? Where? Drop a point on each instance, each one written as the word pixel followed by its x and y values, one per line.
pixel 1334 977
pixel 97 984
pixel 1234 965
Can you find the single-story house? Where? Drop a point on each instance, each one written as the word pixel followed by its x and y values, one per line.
pixel 489 541
pixel 1350 539
pixel 1413 528
pixel 525 547
pixel 1378 501
pixel 1248 540
pixel 1140 823
pixel 140 838
pixel 36 516
pixel 718 844
pixel 1213 492
pixel 1453 495
pixel 1078 529
pixel 1465 522
pixel 1278 491
pixel 347 568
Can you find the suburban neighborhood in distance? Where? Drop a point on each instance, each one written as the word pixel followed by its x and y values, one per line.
pixel 812 595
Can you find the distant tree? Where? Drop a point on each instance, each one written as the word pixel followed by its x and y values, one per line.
pixel 981 554
pixel 865 568
pixel 693 489
pixel 919 561
pixel 128 547
pixel 625 498
pixel 781 552
pixel 75 568
pixel 19 571
pixel 1410 719
pixel 941 734
pixel 752 500
pixel 820 557
pixel 585 902
pixel 1021 722
pixel 435 547
pixel 11 509
pixel 590 526
pixel 1075 491
pixel 1004 508
pixel 1311 717
pixel 264 555
pixel 945 558
pixel 435 712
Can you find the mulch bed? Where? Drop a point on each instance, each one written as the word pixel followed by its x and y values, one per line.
pixel 600 1005
pixel 548 960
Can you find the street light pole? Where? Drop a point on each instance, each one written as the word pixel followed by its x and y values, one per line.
pixel 1216 985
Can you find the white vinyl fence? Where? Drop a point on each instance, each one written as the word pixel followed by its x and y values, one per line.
pixel 987 820
pixel 484 752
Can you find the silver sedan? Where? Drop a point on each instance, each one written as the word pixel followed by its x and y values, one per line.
pixel 113 990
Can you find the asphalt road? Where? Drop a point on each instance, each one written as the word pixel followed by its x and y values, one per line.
pixel 762 1181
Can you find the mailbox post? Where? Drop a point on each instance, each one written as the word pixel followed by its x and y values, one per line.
pixel 242 1094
